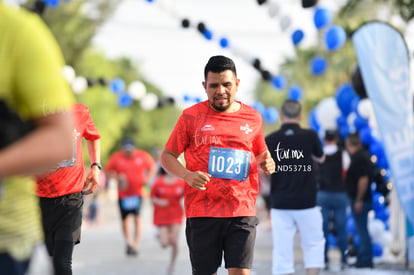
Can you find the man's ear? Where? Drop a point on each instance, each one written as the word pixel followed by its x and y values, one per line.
pixel 237 83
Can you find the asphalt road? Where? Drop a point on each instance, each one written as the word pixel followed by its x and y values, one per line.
pixel 102 250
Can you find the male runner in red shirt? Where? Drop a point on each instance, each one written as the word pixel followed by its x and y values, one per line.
pixel 61 192
pixel 133 169
pixel 223 144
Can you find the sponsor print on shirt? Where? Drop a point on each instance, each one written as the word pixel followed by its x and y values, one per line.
pixel 228 163
pixel 72 161
pixel 290 154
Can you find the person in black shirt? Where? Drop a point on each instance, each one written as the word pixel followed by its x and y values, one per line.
pixel 359 192
pixel 293 193
pixel 332 196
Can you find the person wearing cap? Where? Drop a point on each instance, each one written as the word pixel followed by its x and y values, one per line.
pixel 133 169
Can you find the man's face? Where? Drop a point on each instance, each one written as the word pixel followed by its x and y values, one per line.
pixel 127 151
pixel 221 89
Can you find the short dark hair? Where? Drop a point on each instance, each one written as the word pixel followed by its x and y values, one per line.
pixel 354 140
pixel 291 108
pixel 331 135
pixel 218 64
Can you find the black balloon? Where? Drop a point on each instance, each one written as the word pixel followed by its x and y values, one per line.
pixel 266 75
pixel 102 81
pixel 358 83
pixel 201 27
pixel 39 7
pixel 261 2
pixel 185 23
pixel 309 3
pixel 257 64
pixel 90 82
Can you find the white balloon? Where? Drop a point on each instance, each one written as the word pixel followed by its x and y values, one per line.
pixel 285 22
pixel 273 9
pixel 386 239
pixel 69 73
pixel 365 108
pixel 79 84
pixel 376 229
pixel 149 102
pixel 372 122
pixel 137 90
pixel 327 112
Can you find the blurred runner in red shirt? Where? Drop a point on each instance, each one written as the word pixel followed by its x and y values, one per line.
pixel 133 169
pixel 166 195
pixel 61 192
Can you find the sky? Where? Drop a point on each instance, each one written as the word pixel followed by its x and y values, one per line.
pixel 173 58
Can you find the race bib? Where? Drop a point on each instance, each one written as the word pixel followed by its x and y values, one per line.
pixel 229 163
pixel 130 203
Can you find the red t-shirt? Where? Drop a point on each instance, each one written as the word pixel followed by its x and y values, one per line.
pixel 198 129
pixel 171 189
pixel 70 176
pixel 134 168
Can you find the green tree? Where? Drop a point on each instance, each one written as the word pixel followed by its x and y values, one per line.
pixel 74 24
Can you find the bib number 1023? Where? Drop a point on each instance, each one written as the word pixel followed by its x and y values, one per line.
pixel 229 163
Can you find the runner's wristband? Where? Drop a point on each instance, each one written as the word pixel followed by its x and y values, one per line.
pixel 97 164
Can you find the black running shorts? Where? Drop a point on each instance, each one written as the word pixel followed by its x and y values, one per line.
pixel 209 239
pixel 130 205
pixel 62 219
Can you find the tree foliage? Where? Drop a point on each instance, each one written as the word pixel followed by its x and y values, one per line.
pixel 74 24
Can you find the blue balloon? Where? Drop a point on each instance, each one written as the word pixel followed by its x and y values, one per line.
pixel 52 3
pixel 224 42
pixel 342 120
pixel 376 250
pixel 295 92
pixel 197 99
pixel 318 65
pixel 365 134
pixel 357 240
pixel 335 37
pixel 383 214
pixel 322 17
pixel 117 85
pixel 258 106
pixel 279 82
pixel 271 115
pixel 124 100
pixel 360 122
pixel 387 225
pixel 313 121
pixel 208 34
pixel 297 36
pixel 350 226
pixel 376 148
pixel 345 96
pixel 186 98
pixel 331 240
pixel 344 131
pixel 382 162
pixel 378 201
